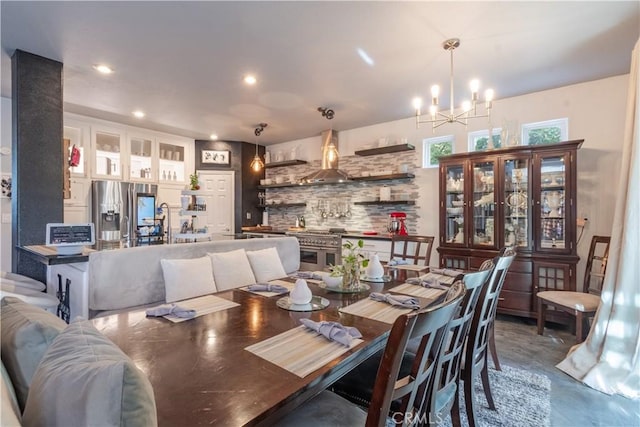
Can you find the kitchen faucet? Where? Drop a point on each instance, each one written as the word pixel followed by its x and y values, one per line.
pixel 168 226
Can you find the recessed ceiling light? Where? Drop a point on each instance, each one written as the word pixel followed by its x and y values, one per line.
pixel 213 136
pixel 104 69
pixel 139 114
pixel 250 79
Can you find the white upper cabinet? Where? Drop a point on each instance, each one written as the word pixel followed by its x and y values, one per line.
pixel 141 165
pixel 175 160
pixel 108 146
pixel 79 136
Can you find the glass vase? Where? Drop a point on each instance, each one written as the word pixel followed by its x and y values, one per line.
pixel 351 277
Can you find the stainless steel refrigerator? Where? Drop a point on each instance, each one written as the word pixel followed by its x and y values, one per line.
pixel 119 209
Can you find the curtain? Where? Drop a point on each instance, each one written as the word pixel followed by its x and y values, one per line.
pixel 609 359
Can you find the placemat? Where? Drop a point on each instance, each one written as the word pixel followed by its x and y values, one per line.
pixel 410 267
pixel 376 310
pixel 300 350
pixel 418 291
pixel 269 294
pixel 202 305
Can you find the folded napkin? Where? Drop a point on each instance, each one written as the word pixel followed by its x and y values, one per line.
pixel 334 331
pixel 446 271
pixel 427 282
pixel 400 300
pixel 398 261
pixel 268 287
pixel 308 275
pixel 174 309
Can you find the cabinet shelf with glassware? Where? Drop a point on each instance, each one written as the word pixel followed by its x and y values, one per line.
pixel 524 197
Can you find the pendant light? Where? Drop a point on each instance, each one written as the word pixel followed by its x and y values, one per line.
pixel 257 164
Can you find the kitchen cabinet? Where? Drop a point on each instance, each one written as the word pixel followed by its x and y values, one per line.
pixel 524 197
pixel 79 136
pixel 107 160
pixel 173 161
pixel 140 158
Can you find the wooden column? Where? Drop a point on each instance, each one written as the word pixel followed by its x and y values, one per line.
pixel 36 90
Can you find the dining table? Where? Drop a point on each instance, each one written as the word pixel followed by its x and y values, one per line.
pixel 203 373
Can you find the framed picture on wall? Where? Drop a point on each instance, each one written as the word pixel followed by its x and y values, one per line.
pixel 218 157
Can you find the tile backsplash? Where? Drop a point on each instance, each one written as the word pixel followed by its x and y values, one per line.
pixel 340 198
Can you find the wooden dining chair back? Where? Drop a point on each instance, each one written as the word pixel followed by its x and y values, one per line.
pixel 413 390
pixel 580 304
pixel 444 396
pixel 415 249
pixel 475 358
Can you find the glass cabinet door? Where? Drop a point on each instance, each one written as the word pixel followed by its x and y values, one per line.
pixel 107 160
pixel 171 165
pixel 78 136
pixel 454 204
pixel 516 227
pixel 550 203
pixel 484 203
pixel 140 159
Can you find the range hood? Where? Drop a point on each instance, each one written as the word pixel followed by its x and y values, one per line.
pixel 329 172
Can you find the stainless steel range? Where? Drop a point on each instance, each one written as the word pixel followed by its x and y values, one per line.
pixel 319 248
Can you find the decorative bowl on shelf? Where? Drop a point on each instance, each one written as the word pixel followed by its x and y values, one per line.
pixel 457 203
pixel 454 211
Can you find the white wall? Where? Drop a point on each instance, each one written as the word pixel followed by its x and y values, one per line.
pixel 5 168
pixel 596 113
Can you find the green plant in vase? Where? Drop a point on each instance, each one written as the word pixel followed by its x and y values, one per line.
pixel 352 264
pixel 193 181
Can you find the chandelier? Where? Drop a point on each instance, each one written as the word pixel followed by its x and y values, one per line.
pixel 469 109
pixel 257 164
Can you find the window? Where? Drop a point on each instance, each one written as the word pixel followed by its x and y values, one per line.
pixel 547 132
pixel 434 148
pixel 479 140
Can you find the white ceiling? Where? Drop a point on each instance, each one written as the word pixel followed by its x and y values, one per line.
pixel 182 62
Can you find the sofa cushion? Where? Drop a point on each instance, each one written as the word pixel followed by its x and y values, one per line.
pixel 26 333
pixel 266 264
pixel 187 278
pixel 9 410
pixel 84 379
pixel 232 269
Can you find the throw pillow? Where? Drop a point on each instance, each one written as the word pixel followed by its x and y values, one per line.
pixel 187 278
pixel 26 333
pixel 84 379
pixel 232 269
pixel 266 264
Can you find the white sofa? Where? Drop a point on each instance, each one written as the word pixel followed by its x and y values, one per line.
pixel 124 278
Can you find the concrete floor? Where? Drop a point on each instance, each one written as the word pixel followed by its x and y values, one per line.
pixel 572 403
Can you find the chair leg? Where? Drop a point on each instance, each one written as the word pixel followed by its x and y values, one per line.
pixel 455 409
pixel 486 386
pixel 492 347
pixel 579 328
pixel 469 401
pixel 541 310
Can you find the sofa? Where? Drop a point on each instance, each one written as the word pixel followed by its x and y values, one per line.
pixel 72 375
pixel 125 278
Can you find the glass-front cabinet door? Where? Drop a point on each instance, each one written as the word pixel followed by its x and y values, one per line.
pixel 78 135
pixel 515 202
pixel 107 160
pixel 171 162
pixel 140 159
pixel 551 204
pixel 454 204
pixel 483 208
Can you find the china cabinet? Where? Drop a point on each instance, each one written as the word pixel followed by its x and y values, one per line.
pixel 522 196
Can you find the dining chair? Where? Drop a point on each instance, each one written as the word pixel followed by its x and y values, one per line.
pixel 429 325
pixel 475 357
pixel 414 248
pixel 488 265
pixel 582 305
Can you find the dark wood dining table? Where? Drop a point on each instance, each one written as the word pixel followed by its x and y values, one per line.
pixel 201 373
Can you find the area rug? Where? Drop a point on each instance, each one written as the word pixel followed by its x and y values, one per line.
pixel 522 399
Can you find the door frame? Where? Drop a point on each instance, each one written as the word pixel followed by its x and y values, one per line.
pixel 232 176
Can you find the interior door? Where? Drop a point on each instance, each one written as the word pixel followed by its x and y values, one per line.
pixel 219 197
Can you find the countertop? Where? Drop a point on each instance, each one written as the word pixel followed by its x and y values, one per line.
pixel 346 234
pixel 48 255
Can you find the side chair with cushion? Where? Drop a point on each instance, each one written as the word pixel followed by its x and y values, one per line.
pixel 583 304
pixel 414 249
pixel 429 325
pixel 475 358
